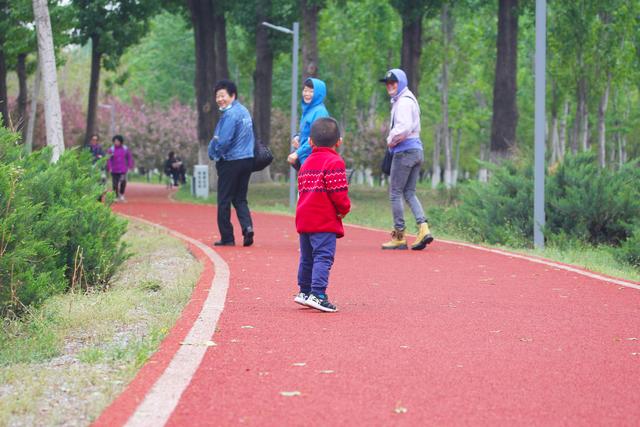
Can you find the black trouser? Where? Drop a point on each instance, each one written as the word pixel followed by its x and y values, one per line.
pixel 119 181
pixel 233 184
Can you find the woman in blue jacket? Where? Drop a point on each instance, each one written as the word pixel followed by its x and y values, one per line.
pixel 313 94
pixel 232 150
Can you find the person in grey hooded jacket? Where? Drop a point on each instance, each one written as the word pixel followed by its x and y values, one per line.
pixel 404 143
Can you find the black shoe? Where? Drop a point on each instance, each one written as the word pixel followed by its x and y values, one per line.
pixel 221 243
pixel 248 237
pixel 320 304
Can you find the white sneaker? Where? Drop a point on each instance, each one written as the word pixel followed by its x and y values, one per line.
pixel 320 304
pixel 122 199
pixel 301 299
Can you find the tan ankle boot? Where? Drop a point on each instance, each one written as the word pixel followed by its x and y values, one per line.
pixel 424 237
pixel 398 241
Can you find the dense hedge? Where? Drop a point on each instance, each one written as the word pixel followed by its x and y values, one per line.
pixel 583 203
pixel 54 233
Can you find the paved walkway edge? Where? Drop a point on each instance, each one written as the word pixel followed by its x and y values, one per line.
pixel 156 403
pixel 530 258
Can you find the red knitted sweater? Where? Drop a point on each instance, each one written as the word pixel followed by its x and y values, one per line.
pixel 323 193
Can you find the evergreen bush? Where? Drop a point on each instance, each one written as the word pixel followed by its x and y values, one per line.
pixel 629 250
pixel 54 233
pixel 592 204
pixel 498 211
pixel 583 204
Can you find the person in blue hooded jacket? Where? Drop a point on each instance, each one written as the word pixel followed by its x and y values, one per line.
pixel 314 93
pixel 232 149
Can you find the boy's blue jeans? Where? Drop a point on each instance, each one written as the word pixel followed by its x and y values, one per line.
pixel 317 251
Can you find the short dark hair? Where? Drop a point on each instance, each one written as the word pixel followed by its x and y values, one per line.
pixel 227 85
pixel 118 138
pixel 94 135
pixel 309 83
pixel 325 132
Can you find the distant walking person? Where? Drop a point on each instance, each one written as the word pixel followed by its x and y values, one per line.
pixel 324 201
pixel 96 149
pixel 175 169
pixel 232 149
pixel 119 164
pixel 404 143
pixel 314 93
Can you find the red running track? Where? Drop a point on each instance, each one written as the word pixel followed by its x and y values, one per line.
pixel 447 336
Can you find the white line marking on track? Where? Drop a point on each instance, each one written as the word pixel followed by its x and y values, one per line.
pixel 528 258
pixel 162 399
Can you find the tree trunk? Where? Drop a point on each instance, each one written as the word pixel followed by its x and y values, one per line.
pixel 602 113
pixel 52 111
pixel 483 173
pixel 505 108
pixel 446 35
pixel 262 79
pixel 28 145
pixel 221 58
pixel 411 48
pixel 562 141
pixel 310 10
pixel 553 135
pixel 94 87
pixel 456 166
pixel 202 15
pixel 21 71
pixel 583 112
pixel 4 97
pixel 435 177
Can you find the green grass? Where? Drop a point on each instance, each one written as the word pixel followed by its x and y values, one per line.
pixel 106 335
pixel 371 208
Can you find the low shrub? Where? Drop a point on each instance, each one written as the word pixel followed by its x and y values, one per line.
pixel 629 250
pixel 54 233
pixel 583 204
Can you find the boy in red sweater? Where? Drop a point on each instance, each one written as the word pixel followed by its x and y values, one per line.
pixel 323 202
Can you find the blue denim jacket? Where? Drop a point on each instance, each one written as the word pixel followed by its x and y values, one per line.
pixel 233 138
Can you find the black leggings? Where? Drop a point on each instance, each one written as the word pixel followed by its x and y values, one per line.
pixel 119 181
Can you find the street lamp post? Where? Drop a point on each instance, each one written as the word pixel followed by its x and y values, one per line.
pixel 294 100
pixel 540 86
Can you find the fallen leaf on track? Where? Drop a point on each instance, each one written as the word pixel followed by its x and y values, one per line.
pixel 290 393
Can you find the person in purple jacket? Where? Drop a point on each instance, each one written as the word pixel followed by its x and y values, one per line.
pixel 120 162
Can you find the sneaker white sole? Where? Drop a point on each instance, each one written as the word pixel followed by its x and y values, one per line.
pixel 311 302
pixel 301 301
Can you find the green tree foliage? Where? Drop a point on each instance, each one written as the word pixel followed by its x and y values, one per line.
pixel 156 69
pixel 54 234
pixel 111 27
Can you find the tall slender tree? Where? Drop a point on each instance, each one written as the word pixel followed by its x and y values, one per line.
pixel 110 26
pixel 412 13
pixel 46 54
pixel 203 14
pixel 505 107
pixel 310 9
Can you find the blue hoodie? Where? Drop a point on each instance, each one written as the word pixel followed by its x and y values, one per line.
pixel 233 138
pixel 310 112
